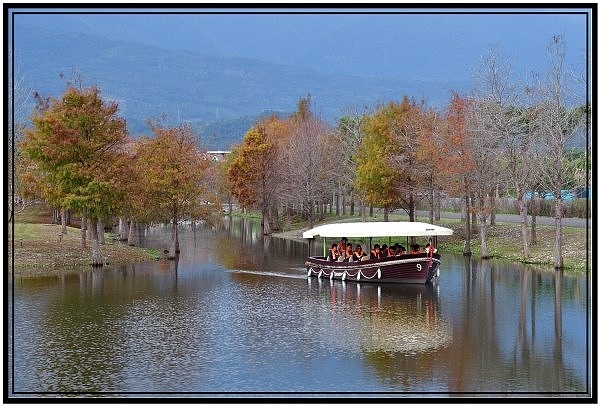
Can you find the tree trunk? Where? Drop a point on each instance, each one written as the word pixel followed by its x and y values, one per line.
pixel 438 205
pixel 363 211
pixel 351 204
pixel 493 197
pixel 83 231
pixel 275 218
pixel 386 214
pixel 467 247
pixel 132 238
pixel 174 247
pixel 265 222
pixel 96 251
pixel 63 222
pixel 534 212
pixel 431 204
pixel 123 230
pixel 473 217
pixel 89 231
pixel 101 233
pixel 483 230
pixel 412 215
pixel 523 215
pixel 558 249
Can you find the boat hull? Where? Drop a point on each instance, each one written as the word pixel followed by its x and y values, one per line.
pixel 416 269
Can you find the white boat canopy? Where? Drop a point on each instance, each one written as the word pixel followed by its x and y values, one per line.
pixel 377 229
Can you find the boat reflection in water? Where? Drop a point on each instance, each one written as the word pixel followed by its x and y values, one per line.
pixel 390 318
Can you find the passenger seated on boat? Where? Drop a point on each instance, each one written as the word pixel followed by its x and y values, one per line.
pixel 359 254
pixel 376 252
pixel 349 254
pixel 334 254
pixel 393 250
pixel 415 249
pixel 384 251
pixel 341 245
pixel 401 250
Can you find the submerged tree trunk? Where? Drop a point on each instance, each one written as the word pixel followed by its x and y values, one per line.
pixel 96 251
pixel 174 247
pixel 265 221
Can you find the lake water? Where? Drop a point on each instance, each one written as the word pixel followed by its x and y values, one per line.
pixel 236 316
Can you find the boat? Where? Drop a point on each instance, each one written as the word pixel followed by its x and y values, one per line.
pixel 417 268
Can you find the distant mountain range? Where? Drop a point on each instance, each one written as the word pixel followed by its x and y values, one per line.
pixel 220 96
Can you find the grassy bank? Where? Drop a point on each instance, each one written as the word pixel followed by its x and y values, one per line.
pixel 504 241
pixel 39 248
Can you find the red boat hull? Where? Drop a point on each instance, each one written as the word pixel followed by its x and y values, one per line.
pixel 414 268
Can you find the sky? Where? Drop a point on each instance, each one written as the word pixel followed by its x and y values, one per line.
pixel 413 43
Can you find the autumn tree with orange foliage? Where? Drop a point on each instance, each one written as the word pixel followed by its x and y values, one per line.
pixel 456 149
pixel 172 169
pixel 431 181
pixel 254 173
pixel 73 144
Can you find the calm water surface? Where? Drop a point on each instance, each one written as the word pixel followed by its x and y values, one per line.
pixel 236 315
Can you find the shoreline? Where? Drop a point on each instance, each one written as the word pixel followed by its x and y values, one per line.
pixel 38 251
pixel 504 242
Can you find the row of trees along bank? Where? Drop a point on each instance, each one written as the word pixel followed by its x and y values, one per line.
pixel 505 135
pixel 77 156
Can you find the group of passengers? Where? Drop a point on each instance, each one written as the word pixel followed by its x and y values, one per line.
pixel 343 251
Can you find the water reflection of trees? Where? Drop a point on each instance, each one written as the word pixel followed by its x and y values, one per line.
pixel 397 327
pixel 241 246
pixel 510 332
pixel 78 340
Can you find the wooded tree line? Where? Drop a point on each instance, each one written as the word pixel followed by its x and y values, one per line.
pixel 503 136
pixel 77 156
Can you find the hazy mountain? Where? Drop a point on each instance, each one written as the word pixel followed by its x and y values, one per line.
pixel 430 43
pixel 206 90
pixel 221 72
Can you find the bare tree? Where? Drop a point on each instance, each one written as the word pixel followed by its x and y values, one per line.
pixel 309 169
pixel 18 100
pixel 486 170
pixel 561 114
pixel 503 131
